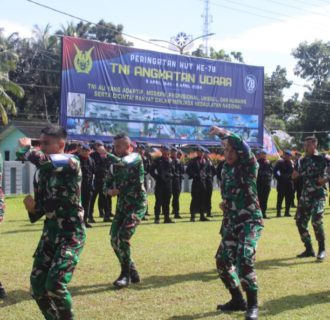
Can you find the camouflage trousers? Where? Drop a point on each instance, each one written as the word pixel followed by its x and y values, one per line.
pixel 310 209
pixel 122 229
pixel 54 262
pixel 236 256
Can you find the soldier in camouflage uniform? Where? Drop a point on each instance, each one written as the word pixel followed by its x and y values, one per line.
pixel 311 204
pixel 2 212
pixel 57 196
pixel 241 225
pixel 128 186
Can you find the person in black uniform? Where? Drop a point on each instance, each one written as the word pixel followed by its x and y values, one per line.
pixel 162 170
pixel 88 170
pixel 264 180
pixel 141 149
pixel 283 174
pixel 109 148
pixel 196 170
pixel 177 182
pixel 297 181
pixel 210 173
pixel 102 166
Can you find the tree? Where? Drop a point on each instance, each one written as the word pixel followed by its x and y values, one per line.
pixel 316 112
pixel 313 61
pixel 39 70
pixel 81 30
pixel 108 32
pixel 274 86
pixel 8 60
pixel 219 55
pixel 314 65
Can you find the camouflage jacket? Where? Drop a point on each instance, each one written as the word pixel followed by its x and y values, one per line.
pixel 311 169
pixel 2 196
pixel 128 177
pixel 56 190
pixel 238 185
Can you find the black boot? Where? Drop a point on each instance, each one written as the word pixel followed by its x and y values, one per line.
pixel 192 217
pixel 203 218
pixel 237 302
pixel 309 252
pixel 3 293
pixel 47 307
pixel 278 215
pixel 321 254
pixel 124 278
pixel 252 305
pixel 177 216
pixel 167 219
pixel 209 215
pixel 135 278
pixel 287 213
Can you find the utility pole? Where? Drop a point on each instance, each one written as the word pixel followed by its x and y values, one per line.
pixel 207 20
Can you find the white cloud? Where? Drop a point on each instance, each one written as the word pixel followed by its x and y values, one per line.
pixel 10 27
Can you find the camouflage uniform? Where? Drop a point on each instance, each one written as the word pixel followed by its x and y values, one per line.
pixel 57 196
pixel 128 178
pixel 242 222
pixel 312 200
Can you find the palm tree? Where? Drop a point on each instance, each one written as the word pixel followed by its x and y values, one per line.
pixel 8 61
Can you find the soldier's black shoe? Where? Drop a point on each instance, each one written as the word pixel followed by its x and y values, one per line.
pixel 177 216
pixel 91 220
pixel 306 254
pixel 145 218
pixel 157 221
pixel 168 220
pixel 203 218
pixel 147 214
pixel 135 277
pixel 124 277
pixel 233 305
pixel 321 256
pixel 252 305
pixel 88 225
pixel 210 215
pixel 287 215
pixel 107 220
pixel 122 282
pixel 237 302
pixel 3 294
pixel 252 313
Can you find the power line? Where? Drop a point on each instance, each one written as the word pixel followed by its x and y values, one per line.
pixel 96 24
pixel 297 8
pixel 319 27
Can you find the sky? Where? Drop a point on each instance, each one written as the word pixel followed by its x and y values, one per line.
pixel 265 31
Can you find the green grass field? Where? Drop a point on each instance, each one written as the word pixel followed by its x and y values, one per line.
pixel 176 263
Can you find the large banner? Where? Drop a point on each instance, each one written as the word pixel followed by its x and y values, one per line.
pixel 156 97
